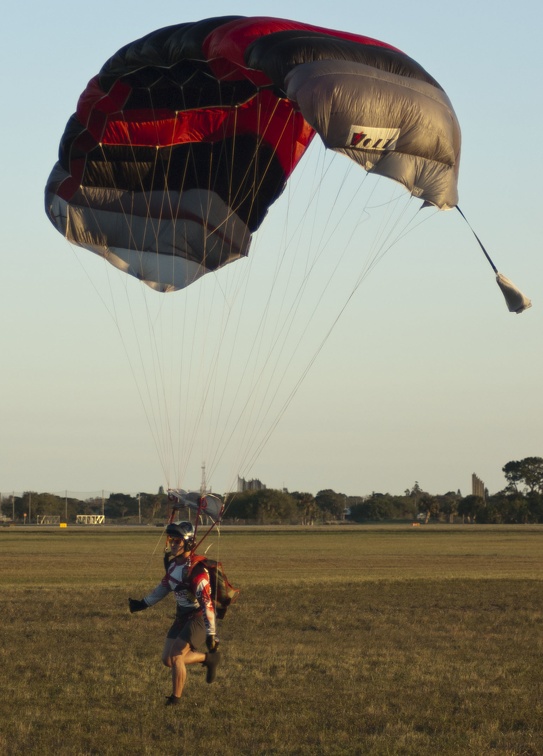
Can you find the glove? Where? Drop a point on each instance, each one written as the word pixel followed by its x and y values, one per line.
pixel 136 605
pixel 212 643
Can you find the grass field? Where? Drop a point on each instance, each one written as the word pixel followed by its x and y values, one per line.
pixel 361 640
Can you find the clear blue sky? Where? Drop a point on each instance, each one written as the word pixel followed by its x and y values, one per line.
pixel 426 377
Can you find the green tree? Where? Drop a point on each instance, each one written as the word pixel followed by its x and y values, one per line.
pixel 306 506
pixel 121 505
pixel 472 508
pixel 375 508
pixel 527 472
pixel 156 505
pixel 331 504
pixel 266 506
pixel 534 502
pixel 448 505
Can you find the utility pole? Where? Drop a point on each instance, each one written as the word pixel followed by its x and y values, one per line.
pixel 203 491
pixel 203 484
pixel 139 508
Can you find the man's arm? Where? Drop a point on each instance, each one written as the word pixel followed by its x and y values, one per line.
pixel 156 595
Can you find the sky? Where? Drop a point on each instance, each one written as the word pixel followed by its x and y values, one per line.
pixel 425 377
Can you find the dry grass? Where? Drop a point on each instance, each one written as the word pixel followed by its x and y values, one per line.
pixel 357 641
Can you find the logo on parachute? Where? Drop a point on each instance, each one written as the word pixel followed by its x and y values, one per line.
pixel 372 138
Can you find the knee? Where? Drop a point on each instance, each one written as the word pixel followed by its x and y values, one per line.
pixel 167 660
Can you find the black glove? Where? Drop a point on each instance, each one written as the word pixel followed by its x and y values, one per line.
pixel 212 643
pixel 136 605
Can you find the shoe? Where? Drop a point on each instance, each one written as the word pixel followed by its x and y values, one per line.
pixel 211 662
pixel 172 701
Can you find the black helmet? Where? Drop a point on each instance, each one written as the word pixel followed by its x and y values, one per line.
pixel 182 530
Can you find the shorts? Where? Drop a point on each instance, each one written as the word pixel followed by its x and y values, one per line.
pixel 190 628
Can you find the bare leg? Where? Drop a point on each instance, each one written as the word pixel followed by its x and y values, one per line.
pixel 177 654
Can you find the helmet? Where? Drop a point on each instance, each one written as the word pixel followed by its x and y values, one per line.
pixel 182 530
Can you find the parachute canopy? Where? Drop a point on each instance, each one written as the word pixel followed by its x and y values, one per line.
pixel 186 137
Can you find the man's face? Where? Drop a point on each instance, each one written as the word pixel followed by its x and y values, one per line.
pixel 177 546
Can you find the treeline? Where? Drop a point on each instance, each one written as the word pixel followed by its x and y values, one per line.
pixel 521 501
pixel 274 507
pixel 32 506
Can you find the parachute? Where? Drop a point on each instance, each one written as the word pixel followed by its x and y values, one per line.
pixel 177 152
pixel 187 136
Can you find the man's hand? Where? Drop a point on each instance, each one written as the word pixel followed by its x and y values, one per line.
pixel 212 643
pixel 136 605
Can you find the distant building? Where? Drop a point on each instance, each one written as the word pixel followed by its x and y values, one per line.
pixel 477 486
pixel 250 485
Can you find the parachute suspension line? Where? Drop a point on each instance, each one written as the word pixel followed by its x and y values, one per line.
pixel 158 419
pixel 112 310
pixel 146 567
pixel 210 396
pixel 249 358
pixel 252 355
pixel 156 393
pixel 214 396
pixel 278 342
pixel 165 403
pixel 383 246
pixel 388 236
pixel 210 379
pixel 163 437
pixel 411 225
pixel 162 401
pixel 286 321
pixel 179 338
pixel 116 321
pixel 208 376
pixel 259 448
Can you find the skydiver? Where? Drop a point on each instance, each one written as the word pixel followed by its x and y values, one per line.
pixel 194 621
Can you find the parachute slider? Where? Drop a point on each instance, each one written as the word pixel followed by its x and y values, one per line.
pixel 515 299
pixel 209 504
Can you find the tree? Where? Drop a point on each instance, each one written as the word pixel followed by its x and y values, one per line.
pixel 527 472
pixel 448 504
pixel 331 504
pixel 121 505
pixel 429 505
pixel 156 505
pixel 377 507
pixel 306 506
pixel 472 508
pixel 265 506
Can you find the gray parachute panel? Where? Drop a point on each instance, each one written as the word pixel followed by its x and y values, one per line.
pixel 398 127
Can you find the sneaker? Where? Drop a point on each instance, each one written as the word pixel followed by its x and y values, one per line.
pixel 172 701
pixel 211 662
